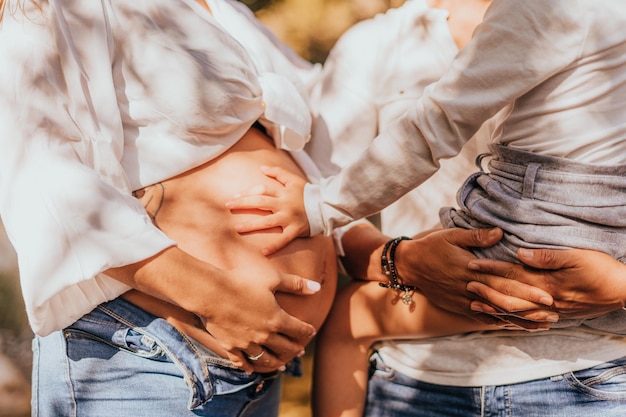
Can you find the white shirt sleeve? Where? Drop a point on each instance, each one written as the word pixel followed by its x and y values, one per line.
pixel 64 198
pixel 506 58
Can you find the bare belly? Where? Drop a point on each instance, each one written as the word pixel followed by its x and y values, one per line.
pixel 190 209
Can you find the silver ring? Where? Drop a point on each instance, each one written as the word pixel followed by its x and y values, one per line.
pixel 257 357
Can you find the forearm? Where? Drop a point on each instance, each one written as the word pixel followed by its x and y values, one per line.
pixel 363 245
pixel 171 275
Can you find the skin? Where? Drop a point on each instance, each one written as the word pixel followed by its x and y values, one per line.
pixel 364 313
pixel 486 294
pixel 583 284
pixel 204 229
pixel 176 284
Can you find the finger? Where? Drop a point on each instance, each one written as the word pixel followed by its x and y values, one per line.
pixel 281 241
pixel 279 174
pixel 293 329
pixel 260 202
pixel 267 362
pixel 258 189
pixel 505 321
pixel 263 358
pixel 259 223
pixel 516 323
pixel 239 361
pixel 254 352
pixel 295 284
pixel 506 280
pixel 506 298
pixel 537 315
pixel 284 348
pixel 545 258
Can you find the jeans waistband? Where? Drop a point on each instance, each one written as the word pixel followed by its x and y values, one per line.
pixel 560 180
pixel 207 374
pixel 517 157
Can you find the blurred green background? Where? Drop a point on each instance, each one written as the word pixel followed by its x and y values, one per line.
pixel 311 27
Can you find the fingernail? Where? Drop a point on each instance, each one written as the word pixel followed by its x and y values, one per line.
pixel 546 301
pixel 282 368
pixel 513 327
pixel 552 318
pixel 473 266
pixel 301 353
pixel 313 286
pixel 526 253
pixel 477 308
pixel 493 232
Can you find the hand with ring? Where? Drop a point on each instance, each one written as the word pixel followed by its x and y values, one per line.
pixel 260 360
pixel 255 358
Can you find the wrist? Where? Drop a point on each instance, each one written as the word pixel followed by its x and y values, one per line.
pixel 405 262
pixel 388 261
pixel 388 268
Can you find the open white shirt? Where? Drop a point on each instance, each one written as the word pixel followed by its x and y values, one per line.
pixel 99 98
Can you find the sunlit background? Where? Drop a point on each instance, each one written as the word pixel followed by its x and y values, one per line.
pixel 311 27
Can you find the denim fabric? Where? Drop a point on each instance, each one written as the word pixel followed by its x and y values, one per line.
pixel 542 201
pixel 598 391
pixel 121 361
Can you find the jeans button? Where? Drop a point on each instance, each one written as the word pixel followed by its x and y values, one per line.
pixel 259 387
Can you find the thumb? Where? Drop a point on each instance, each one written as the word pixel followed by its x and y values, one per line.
pixel 295 284
pixel 481 238
pixel 544 258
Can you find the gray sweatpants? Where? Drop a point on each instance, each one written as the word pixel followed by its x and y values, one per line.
pixel 542 201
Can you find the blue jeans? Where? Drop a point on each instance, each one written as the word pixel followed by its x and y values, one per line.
pixel 120 361
pixel 598 391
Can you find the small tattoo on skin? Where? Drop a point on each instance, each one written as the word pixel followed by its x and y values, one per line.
pixel 151 198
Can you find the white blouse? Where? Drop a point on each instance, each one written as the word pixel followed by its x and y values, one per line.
pixel 98 98
pixel 558 66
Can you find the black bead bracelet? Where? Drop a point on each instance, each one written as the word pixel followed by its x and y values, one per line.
pixel 388 266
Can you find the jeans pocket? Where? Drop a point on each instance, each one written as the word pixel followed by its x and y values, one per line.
pixel 379 370
pixel 606 381
pixel 97 328
pixel 147 349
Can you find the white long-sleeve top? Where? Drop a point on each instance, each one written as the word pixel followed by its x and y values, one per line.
pixel 560 66
pixel 98 98
pixel 370 79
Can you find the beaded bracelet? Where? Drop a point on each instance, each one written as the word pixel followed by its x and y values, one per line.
pixel 387 264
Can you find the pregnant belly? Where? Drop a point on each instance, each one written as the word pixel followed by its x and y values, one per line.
pixel 191 210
